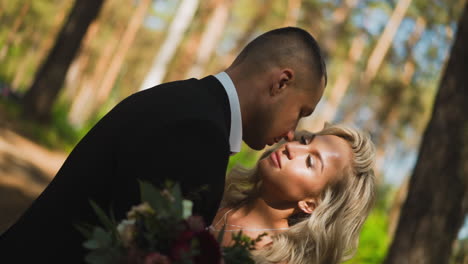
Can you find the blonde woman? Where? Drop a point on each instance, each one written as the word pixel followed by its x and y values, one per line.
pixel 311 197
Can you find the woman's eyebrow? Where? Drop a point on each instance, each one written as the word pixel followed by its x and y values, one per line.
pixel 319 157
pixel 311 138
pixel 316 153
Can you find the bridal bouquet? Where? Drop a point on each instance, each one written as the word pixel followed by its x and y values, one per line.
pixel 161 230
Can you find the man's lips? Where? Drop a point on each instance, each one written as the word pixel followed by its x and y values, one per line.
pixel 275 158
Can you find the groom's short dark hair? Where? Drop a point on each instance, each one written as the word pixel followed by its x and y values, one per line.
pixel 283 46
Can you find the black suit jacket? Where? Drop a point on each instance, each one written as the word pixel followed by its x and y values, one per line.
pixel 177 131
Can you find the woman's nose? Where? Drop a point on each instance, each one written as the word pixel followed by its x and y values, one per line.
pixel 293 149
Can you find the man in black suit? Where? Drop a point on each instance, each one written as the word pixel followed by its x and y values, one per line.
pixel 183 131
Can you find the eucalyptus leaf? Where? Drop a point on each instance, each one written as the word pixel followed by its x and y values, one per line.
pixel 105 220
pixel 102 256
pixel 91 244
pixel 154 198
pixel 85 229
pixel 177 204
pixel 102 237
pixel 187 206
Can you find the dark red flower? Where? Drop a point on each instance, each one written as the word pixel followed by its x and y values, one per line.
pixel 208 248
pixel 196 223
pixel 134 255
pixel 210 251
pixel 156 258
pixel 181 245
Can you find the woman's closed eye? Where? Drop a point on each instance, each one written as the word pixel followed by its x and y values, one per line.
pixel 305 140
pixel 310 162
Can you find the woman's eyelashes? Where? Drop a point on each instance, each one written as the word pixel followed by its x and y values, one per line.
pixel 303 140
pixel 310 161
pixel 306 139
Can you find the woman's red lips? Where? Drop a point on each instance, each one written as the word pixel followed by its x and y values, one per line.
pixel 278 156
pixel 276 159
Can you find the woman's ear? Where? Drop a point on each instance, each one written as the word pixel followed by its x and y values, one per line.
pixel 307 206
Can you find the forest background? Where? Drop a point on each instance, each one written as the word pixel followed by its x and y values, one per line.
pixel 386 61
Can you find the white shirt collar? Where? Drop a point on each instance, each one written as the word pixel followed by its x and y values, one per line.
pixel 235 135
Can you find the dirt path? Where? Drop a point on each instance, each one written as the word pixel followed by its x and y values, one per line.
pixel 25 170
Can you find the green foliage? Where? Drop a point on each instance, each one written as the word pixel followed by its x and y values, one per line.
pixel 159 200
pixel 65 134
pixel 374 239
pixel 59 134
pixel 104 243
pixel 246 158
pixel 239 253
pixel 107 221
pixel 103 250
pixel 157 226
pixel 460 252
pixel 25 37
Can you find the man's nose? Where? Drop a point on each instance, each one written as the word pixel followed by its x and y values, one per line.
pixel 289 136
pixel 288 151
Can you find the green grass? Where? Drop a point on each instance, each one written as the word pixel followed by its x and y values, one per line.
pixel 58 134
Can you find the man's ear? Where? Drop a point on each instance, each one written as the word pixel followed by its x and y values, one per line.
pixel 282 82
pixel 307 206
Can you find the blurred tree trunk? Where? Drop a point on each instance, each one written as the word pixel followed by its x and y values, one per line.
pixel 292 14
pixel 74 77
pixel 378 54
pixel 14 29
pixel 339 18
pixel 210 38
pixel 339 88
pixel 92 93
pixel 438 192
pixel 118 59
pixel 185 57
pixel 44 47
pixel 39 99
pixel 395 208
pixel 260 16
pixel 180 22
pixel 328 40
pixel 81 106
pixel 383 44
pixel 264 10
pixel 19 78
pixel 390 109
pixel 314 20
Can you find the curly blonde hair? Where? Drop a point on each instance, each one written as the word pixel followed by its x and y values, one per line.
pixel 331 233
